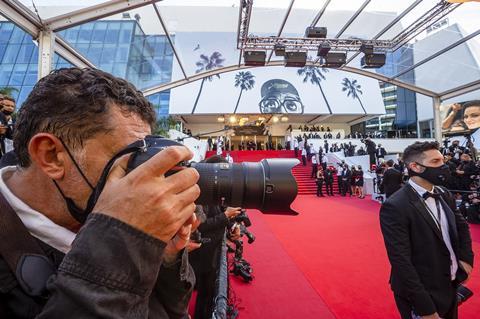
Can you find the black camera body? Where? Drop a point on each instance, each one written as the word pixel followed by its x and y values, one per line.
pixel 267 185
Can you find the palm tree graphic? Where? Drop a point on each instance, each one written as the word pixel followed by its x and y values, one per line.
pixel 314 74
pixel 244 80
pixel 353 89
pixel 207 63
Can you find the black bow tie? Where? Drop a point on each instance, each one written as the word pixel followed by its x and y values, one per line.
pixel 426 195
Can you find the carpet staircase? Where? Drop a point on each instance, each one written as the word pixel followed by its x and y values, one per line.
pixel 306 185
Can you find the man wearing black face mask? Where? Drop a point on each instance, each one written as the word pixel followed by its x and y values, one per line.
pixel 427 240
pixel 7 108
pixel 127 258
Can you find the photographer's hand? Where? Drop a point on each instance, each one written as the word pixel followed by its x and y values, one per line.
pixel 232 212
pixel 180 241
pixel 149 201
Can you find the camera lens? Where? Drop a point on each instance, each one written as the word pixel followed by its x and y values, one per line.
pixel 267 185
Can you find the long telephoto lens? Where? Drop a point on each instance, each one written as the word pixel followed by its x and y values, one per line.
pixel 268 186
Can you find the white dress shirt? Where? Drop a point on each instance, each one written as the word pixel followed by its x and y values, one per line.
pixel 430 202
pixel 38 225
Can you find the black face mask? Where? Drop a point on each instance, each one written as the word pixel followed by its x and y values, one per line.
pixel 435 175
pixel 78 213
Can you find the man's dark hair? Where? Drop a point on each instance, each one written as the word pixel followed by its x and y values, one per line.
pixel 415 152
pixel 216 159
pixel 74 104
pixel 390 163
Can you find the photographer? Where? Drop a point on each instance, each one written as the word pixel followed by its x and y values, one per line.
pixel 205 259
pixel 371 149
pixel 7 108
pixel 124 260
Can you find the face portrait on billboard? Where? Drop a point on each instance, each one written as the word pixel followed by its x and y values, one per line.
pixel 471 114
pixel 462 116
pixel 280 96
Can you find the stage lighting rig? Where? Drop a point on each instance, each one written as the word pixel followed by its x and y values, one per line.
pixel 316 32
pixel 295 59
pixel 334 59
pixel 279 49
pixel 366 48
pixel 374 60
pixel 254 58
pixel 323 49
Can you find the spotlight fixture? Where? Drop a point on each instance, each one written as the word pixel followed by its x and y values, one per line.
pixel 295 59
pixel 366 48
pixel 254 58
pixel 374 60
pixel 261 118
pixel 323 49
pixel 279 49
pixel 275 119
pixel 316 32
pixel 334 59
pixel 284 119
pixel 220 119
pixel 232 119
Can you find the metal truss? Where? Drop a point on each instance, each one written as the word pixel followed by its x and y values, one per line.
pixel 312 44
pixel 246 41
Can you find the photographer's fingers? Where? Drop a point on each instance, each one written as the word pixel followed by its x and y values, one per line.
pixel 186 199
pixel 119 169
pixel 162 162
pixel 181 180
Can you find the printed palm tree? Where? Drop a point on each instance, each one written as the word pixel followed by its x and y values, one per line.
pixel 314 74
pixel 244 80
pixel 207 63
pixel 353 89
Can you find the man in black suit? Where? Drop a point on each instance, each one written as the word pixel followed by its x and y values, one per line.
pixel 328 174
pixel 380 152
pixel 392 179
pixel 427 240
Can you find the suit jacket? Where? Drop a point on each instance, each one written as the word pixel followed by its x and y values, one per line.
pixel 392 181
pixel 418 255
pixel 380 152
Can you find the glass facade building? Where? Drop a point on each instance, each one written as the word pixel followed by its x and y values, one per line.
pixel 119 47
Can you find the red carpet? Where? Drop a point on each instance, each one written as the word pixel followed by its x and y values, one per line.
pixel 333 247
pixel 327 262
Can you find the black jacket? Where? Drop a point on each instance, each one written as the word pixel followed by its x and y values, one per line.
pixel 205 258
pixel 112 271
pixel 380 152
pixel 418 255
pixel 392 181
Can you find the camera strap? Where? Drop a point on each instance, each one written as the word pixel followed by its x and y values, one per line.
pixel 22 253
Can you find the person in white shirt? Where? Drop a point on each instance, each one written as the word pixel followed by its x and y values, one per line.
pixel 314 167
pixel 304 157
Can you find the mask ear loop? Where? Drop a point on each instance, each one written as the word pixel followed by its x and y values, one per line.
pixel 76 165
pixel 136 146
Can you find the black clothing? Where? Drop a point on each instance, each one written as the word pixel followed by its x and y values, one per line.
pixel 328 179
pixel 205 260
pixel 319 186
pixel 380 152
pixel 392 181
pixel 418 255
pixel 359 178
pixel 314 170
pixel 112 270
pixel 346 180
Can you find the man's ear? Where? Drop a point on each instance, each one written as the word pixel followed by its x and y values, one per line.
pixel 48 153
pixel 415 167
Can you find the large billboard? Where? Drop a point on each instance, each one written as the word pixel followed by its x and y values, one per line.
pixel 308 90
pixel 462 119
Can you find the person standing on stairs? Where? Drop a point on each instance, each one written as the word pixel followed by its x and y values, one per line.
pixel 339 177
pixel 314 167
pixel 304 157
pixel 319 181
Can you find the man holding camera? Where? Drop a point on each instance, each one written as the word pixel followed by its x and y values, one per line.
pixel 7 108
pixel 124 260
pixel 427 240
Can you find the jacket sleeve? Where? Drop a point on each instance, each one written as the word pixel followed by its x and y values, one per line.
pixel 109 272
pixel 173 289
pixel 463 230
pixel 395 230
pixel 213 222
